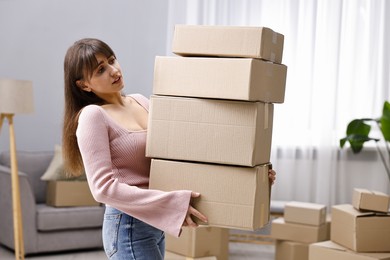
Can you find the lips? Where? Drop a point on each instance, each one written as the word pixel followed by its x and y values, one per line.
pixel 117 80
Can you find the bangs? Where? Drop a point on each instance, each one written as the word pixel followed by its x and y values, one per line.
pixel 88 56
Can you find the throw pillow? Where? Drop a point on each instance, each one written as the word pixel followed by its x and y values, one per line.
pixel 56 171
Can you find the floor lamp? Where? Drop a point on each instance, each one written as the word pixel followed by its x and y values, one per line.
pixel 16 96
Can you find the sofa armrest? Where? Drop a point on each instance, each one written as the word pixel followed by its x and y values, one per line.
pixel 28 206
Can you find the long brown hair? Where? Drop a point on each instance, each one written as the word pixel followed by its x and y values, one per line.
pixel 79 64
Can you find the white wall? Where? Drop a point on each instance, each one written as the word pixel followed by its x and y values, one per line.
pixel 35 34
pixel 348 171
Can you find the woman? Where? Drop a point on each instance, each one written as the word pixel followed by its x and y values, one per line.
pixel 105 134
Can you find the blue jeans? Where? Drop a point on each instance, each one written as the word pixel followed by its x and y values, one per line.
pixel 125 237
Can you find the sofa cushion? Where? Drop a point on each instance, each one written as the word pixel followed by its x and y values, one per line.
pixel 51 218
pixel 34 164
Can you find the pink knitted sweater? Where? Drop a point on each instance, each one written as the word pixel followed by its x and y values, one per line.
pixel 118 171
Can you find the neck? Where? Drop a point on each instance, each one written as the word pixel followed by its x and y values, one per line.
pixel 114 99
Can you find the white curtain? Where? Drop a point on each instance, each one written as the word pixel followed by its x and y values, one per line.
pixel 338 54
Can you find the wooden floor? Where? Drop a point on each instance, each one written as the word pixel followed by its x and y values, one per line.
pixel 237 251
pixel 244 245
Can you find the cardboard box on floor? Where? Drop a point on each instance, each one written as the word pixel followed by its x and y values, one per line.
pixel 228 41
pixel 364 199
pixel 291 250
pixel 360 231
pixel 231 196
pixel 69 194
pixel 220 78
pixel 200 242
pixel 305 213
pixel 298 232
pixel 208 130
pixel 174 256
pixel 329 250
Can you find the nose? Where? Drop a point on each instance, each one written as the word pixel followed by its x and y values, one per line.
pixel 115 72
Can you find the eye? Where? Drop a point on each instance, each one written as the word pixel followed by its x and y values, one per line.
pixel 111 60
pixel 100 70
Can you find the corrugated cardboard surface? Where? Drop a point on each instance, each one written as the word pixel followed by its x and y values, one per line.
pixel 69 194
pixel 360 231
pixel 231 196
pixel 228 41
pixel 370 200
pixel 305 213
pixel 173 256
pixel 299 232
pixel 329 250
pixel 200 242
pixel 220 78
pixel 208 130
pixel 290 250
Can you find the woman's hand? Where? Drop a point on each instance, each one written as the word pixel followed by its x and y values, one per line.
pixel 192 211
pixel 271 176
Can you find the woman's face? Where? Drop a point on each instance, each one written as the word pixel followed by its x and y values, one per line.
pixel 106 78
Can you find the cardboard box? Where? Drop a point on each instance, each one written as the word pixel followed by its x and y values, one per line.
pixel 329 250
pixel 298 232
pixel 220 78
pixel 291 250
pixel 228 41
pixel 363 199
pixel 231 196
pixel 208 130
pixel 69 194
pixel 360 231
pixel 305 213
pixel 173 256
pixel 200 242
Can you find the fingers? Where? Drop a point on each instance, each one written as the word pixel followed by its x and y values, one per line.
pixel 196 213
pixel 195 194
pixel 271 176
pixel 188 221
pixel 193 212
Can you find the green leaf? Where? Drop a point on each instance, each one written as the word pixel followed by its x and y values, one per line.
pixel 358 127
pixel 343 141
pixel 358 131
pixel 356 141
pixel 385 121
pixel 357 134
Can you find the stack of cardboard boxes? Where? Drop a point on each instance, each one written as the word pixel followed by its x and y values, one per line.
pixel 211 118
pixel 303 223
pixel 360 230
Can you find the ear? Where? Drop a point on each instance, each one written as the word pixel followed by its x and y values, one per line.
pixel 81 84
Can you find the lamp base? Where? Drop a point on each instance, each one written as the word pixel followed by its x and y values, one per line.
pixel 16 207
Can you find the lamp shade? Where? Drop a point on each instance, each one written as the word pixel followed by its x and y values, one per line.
pixel 16 96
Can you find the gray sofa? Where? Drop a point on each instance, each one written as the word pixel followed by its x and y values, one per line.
pixel 45 228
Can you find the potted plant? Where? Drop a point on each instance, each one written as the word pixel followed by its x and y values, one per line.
pixel 358 131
